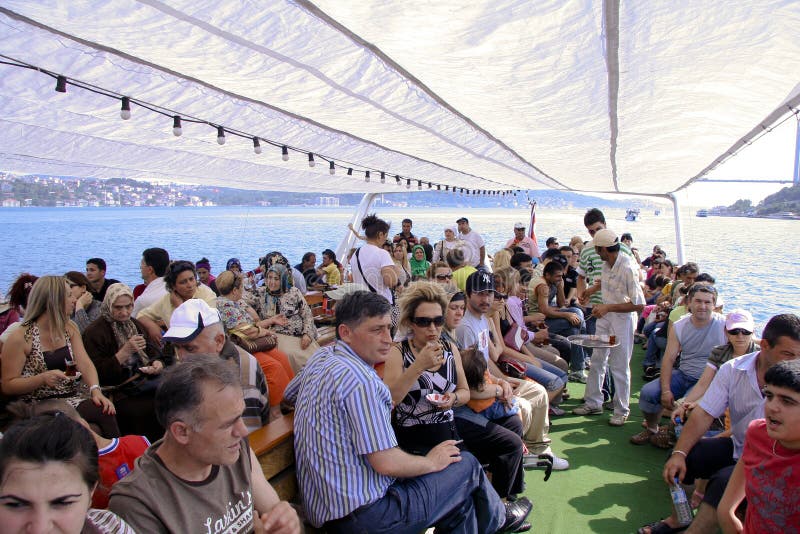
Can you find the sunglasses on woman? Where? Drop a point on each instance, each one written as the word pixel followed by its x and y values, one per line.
pixel 444 276
pixel 740 331
pixel 425 322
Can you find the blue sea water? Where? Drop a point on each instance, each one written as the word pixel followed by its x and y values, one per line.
pixel 755 261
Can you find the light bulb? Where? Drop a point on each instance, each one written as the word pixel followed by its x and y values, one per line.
pixel 419 185
pixel 429 185
pixel 397 179
pixel 61 84
pixel 408 184
pixel 332 168
pixel 438 187
pixel 311 161
pixel 366 177
pixel 256 145
pixel 285 153
pixel 383 177
pixel 125 112
pixel 220 135
pixel 176 126
pixel 350 171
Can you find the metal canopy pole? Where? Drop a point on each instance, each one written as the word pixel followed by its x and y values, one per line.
pixel 678 229
pixel 796 175
pixel 349 239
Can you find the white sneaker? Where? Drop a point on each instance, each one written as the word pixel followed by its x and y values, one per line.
pixel 585 409
pixel 617 419
pixel 560 464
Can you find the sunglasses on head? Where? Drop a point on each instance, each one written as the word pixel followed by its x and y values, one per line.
pixel 740 331
pixel 425 322
pixel 444 276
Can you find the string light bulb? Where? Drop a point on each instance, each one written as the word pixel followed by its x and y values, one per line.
pixel 397 179
pixel 332 168
pixel 408 183
pixel 61 84
pixel 438 187
pixel 383 177
pixel 285 153
pixel 311 161
pixel 177 130
pixel 350 171
pixel 256 145
pixel 366 176
pixel 220 135
pixel 125 111
pixel 419 185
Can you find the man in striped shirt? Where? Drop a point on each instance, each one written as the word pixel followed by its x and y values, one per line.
pixel 352 475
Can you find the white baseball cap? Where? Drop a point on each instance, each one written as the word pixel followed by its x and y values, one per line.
pixel 189 319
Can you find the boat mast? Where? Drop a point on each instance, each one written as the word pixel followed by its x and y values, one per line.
pixel 796 175
pixel 676 212
pixel 349 240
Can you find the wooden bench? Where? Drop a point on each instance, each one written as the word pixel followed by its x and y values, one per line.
pixel 325 329
pixel 274 448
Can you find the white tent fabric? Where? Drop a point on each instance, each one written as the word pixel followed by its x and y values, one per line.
pixel 634 97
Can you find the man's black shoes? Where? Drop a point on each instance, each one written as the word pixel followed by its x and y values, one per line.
pixel 516 513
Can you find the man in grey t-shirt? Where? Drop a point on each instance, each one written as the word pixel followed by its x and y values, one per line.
pixel 693 337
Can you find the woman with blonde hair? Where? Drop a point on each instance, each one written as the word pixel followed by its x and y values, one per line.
pixel 40 358
pixel 424 366
pixel 501 259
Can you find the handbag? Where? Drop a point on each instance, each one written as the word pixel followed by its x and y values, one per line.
pixel 516 337
pixel 263 343
pixel 512 367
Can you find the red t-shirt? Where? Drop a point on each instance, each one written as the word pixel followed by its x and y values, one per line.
pixel 115 462
pixel 772 486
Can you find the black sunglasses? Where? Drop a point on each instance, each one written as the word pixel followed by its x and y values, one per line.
pixel 740 331
pixel 444 276
pixel 425 322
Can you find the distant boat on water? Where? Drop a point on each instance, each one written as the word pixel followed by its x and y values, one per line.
pixel 702 213
pixel 632 214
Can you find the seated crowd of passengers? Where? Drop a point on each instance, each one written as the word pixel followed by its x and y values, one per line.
pixel 441 371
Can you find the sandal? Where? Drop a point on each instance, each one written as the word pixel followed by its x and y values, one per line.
pixel 642 437
pixel 659 527
pixel 663 439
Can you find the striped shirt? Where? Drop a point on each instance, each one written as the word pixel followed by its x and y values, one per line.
pixel 590 266
pixel 342 414
pixel 254 385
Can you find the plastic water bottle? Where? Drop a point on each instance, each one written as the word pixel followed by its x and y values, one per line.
pixel 681 503
pixel 678 427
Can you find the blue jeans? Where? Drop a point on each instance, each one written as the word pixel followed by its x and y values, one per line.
pixel 548 375
pixel 457 499
pixel 655 349
pixel 564 328
pixel 650 397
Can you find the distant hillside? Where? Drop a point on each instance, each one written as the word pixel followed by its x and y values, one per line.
pixel 785 200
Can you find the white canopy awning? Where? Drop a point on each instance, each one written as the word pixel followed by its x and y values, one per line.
pixel 634 97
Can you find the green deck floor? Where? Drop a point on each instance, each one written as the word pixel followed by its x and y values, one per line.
pixel 611 486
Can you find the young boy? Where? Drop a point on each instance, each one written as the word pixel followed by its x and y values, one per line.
pixel 768 473
pixel 115 457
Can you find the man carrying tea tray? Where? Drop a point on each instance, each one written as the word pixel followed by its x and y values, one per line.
pixel 616 316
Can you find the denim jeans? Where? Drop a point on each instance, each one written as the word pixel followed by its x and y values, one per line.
pixel 655 349
pixel 457 499
pixel 650 397
pixel 565 328
pixel 548 375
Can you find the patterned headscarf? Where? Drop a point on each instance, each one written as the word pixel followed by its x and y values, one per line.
pixel 123 330
pixel 272 298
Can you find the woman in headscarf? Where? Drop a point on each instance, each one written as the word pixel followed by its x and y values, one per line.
pixel 296 337
pixel 238 316
pixel 419 265
pixel 447 244
pixel 128 360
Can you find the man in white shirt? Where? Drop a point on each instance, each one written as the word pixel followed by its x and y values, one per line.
pixel 466 233
pixel 616 316
pixel 153 266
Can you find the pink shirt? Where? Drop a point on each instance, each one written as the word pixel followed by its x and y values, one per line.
pixel 527 244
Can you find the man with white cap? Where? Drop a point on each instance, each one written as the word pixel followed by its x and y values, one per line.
pixel 195 328
pixel 526 243
pixel 616 316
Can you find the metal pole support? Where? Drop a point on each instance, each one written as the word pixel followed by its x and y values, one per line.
pixel 678 228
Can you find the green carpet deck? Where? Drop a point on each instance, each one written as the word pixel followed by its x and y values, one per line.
pixel 611 486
